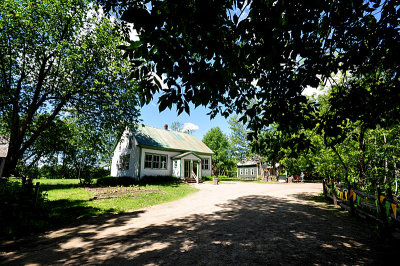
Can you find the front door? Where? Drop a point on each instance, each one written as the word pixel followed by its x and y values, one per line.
pixel 195 168
pixel 187 169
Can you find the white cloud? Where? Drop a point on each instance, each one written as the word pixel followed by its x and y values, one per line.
pixel 334 79
pixel 310 91
pixel 189 127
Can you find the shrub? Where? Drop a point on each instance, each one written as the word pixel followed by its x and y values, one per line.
pixel 86 173
pixel 116 181
pixel 222 178
pixel 20 210
pixel 207 178
pixel 158 179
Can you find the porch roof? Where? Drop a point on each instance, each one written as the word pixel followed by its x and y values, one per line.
pixel 180 156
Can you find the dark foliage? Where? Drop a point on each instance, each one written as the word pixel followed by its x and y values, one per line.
pixel 62 171
pixel 256 58
pixel 21 211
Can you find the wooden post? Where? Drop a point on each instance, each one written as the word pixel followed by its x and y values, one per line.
pixel 334 193
pixel 324 189
pixel 382 212
pixel 36 194
pixel 350 197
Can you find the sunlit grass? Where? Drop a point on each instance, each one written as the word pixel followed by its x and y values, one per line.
pixel 145 199
pixel 67 201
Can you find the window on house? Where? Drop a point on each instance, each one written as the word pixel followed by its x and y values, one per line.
pixel 252 171
pixel 129 142
pixel 156 161
pixel 246 171
pixel 120 144
pixel 205 164
pixel 123 163
pixel 148 160
pixel 241 171
pixel 163 162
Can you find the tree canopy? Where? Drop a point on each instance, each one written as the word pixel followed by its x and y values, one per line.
pixel 238 137
pixel 60 58
pixel 217 141
pixel 224 54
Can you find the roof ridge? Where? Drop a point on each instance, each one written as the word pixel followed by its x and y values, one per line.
pixel 172 131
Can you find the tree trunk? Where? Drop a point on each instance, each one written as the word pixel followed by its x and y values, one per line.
pixel 361 144
pixel 10 166
pixel 13 155
pixel 386 161
pixel 396 174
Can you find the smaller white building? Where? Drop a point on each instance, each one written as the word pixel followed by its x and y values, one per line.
pixel 149 151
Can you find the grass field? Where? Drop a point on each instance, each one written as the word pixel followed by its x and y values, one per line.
pixel 66 201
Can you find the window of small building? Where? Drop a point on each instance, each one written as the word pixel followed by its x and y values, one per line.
pixel 156 161
pixel 246 171
pixel 252 171
pixel 241 171
pixel 205 164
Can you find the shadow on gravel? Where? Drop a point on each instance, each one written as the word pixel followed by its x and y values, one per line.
pixel 249 230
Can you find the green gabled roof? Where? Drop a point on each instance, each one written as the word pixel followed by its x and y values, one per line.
pixel 169 140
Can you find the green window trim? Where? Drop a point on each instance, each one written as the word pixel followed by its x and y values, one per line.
pixel 155 161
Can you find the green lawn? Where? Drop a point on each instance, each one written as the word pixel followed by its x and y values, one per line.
pixel 67 201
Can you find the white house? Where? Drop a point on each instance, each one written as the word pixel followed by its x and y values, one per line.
pixel 149 151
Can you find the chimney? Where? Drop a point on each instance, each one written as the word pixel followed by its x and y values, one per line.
pixel 166 126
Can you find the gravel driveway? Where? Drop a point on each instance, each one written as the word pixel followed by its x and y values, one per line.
pixel 240 224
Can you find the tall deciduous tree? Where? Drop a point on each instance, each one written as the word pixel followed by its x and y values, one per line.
pixel 59 56
pixel 219 144
pixel 240 144
pixel 176 126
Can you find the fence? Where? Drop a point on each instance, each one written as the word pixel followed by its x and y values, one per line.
pixel 380 208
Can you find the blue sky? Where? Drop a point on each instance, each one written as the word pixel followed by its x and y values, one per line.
pixel 198 116
pixel 152 117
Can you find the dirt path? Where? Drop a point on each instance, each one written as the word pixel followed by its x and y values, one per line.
pixel 242 223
